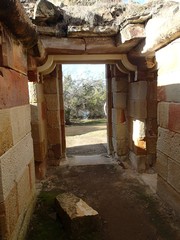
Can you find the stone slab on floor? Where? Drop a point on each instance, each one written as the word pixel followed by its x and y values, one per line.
pixel 77 216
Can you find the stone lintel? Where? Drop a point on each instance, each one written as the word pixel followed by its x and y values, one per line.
pixel 56 46
pixel 87 31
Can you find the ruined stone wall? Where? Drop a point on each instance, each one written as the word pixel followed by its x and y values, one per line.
pixel 142 124
pixel 168 143
pixel 17 178
pixel 53 92
pixel 117 112
pixel 39 127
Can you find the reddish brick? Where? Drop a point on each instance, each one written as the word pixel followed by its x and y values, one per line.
pixel 174 117
pixel 14 89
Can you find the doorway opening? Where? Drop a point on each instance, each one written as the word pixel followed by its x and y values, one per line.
pixel 84 89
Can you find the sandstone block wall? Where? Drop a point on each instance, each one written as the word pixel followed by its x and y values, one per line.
pixel 168 143
pixel 119 87
pixel 53 92
pixel 142 124
pixel 17 178
pixel 39 127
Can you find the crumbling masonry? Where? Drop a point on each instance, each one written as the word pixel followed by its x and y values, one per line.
pixel 140 45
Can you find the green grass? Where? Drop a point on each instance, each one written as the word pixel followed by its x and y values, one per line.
pixel 43 226
pixel 87 122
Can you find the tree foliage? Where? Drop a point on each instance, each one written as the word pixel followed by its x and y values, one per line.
pixel 83 98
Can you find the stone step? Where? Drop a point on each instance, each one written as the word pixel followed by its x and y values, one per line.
pixel 76 216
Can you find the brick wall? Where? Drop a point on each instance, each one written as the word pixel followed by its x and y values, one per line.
pixel 168 143
pixel 17 178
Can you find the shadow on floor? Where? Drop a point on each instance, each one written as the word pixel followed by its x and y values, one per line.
pixel 127 210
pixel 92 149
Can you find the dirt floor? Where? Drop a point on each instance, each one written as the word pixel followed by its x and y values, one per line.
pixel 128 209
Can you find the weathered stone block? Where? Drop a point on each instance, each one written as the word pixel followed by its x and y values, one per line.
pixel 137 109
pixel 174 117
pixel 54 151
pixel 101 45
pixel 168 142
pixel 163 114
pixel 120 146
pixel 138 90
pixel 119 100
pixel 152 108
pixel 138 161
pixel 6 137
pixel 11 209
pixel 118 116
pixel 40 169
pixel 175 146
pixel 119 131
pixel 14 88
pixel 51 101
pixel 132 31
pixel 53 119
pixel 50 85
pixel 31 167
pixel 119 84
pixel 152 90
pixel 14 55
pixel 151 127
pixel 14 162
pixel 53 135
pixel 174 174
pixel 36 93
pixel 36 132
pixel 162 165
pixel 168 194
pixel 39 151
pixel 63 45
pixel 23 190
pixel 169 93
pixel 76 216
pixel 164 139
pixel 151 144
pixel 20 122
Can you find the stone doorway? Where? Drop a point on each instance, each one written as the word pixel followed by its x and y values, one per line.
pixel 84 100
